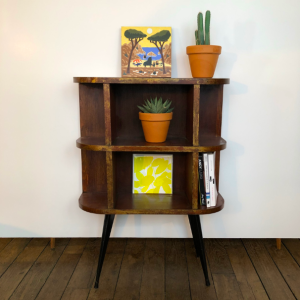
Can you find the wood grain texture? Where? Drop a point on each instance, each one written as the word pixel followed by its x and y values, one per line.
pixel 11 252
pixel 196 105
pixel 110 271
pixel 210 111
pixel 207 144
pixel 287 266
pixel 218 258
pixel 128 286
pixel 94 176
pixel 199 290
pixel 91 102
pixel 4 242
pixel 145 204
pixel 246 276
pixel 121 80
pixel 110 180
pixel 83 277
pixel 36 277
pixel 153 277
pixel 16 272
pixel 177 285
pixel 107 113
pixel 293 246
pixel 269 274
pixel 62 271
pixel 227 287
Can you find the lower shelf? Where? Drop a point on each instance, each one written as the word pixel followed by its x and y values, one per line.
pixel 145 204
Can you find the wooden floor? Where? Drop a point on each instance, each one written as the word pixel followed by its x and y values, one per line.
pixel 149 269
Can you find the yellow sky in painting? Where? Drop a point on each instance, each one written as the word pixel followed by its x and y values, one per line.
pixel 145 42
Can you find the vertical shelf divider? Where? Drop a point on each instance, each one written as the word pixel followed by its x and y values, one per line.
pixel 218 132
pixel 196 107
pixel 107 113
pixel 110 180
pixel 195 180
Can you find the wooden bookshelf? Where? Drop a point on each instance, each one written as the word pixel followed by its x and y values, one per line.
pixel 111 133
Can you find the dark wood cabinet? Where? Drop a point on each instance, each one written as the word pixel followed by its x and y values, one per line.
pixel 111 132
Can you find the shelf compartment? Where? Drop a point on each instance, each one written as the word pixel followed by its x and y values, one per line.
pixel 151 204
pixel 94 173
pixel 91 100
pixel 184 178
pixel 206 144
pixel 125 98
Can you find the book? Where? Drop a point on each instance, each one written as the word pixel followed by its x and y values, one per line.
pixel 202 193
pixel 212 180
pixel 206 180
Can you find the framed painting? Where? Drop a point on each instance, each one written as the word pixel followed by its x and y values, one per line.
pixel 146 51
pixel 152 174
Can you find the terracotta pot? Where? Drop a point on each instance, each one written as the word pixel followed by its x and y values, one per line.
pixel 155 126
pixel 203 59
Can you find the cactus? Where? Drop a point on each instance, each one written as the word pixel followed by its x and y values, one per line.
pixel 155 106
pixel 200 31
pixel 207 27
pixel 199 34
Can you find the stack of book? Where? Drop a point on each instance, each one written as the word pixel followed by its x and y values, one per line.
pixel 207 185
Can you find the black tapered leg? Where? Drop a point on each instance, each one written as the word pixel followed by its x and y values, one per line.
pixel 202 249
pixel 194 233
pixel 108 222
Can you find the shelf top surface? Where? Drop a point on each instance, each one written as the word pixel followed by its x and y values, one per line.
pixel 121 80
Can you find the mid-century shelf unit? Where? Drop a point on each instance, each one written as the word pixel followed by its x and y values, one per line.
pixel 111 133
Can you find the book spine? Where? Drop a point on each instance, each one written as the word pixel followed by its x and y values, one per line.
pixel 211 173
pixel 206 180
pixel 202 193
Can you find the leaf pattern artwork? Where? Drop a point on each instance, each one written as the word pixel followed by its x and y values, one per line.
pixel 152 174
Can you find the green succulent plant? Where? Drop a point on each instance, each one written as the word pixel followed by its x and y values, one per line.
pixel 199 34
pixel 155 106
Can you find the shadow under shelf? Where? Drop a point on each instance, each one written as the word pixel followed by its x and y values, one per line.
pixel 127 203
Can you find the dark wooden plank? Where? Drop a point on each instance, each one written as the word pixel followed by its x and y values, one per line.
pixel 151 80
pixel 223 276
pixel 153 278
pixel 172 144
pixel 110 180
pixel 83 277
pixel 18 269
pixel 91 103
pixel 177 285
pixel 128 203
pixel 293 246
pixel 11 252
pixel 39 272
pixel 196 105
pixel 287 266
pixel 247 278
pixel 270 277
pixel 4 242
pixel 128 286
pixel 107 114
pixel 62 272
pixel 218 259
pixel 110 271
pixel 199 290
pixel 93 171
pixel 227 287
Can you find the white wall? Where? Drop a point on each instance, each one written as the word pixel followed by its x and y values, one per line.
pixel 44 44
